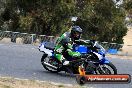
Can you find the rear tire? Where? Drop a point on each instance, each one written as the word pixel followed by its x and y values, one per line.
pixel 46 67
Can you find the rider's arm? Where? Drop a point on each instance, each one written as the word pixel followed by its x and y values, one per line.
pixel 66 43
pixel 69 48
pixel 73 54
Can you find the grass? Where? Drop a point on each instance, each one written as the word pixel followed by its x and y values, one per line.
pixel 9 82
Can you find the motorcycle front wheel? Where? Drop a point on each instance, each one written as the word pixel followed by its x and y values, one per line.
pixel 107 68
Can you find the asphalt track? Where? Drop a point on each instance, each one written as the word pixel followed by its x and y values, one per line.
pixel 23 61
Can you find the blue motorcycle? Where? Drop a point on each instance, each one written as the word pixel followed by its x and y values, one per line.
pixel 92 59
pixel 97 52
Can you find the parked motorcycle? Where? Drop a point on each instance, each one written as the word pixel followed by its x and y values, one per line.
pixel 92 60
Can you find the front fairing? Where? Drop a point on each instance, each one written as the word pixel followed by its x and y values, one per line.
pixel 104 61
pixel 101 50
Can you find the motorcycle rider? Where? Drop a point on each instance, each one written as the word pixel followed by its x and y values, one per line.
pixel 65 43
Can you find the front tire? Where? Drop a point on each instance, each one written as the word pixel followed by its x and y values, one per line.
pixel 107 68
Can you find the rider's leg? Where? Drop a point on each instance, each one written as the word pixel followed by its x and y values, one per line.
pixel 61 59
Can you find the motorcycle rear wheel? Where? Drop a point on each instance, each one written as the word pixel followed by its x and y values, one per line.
pixel 43 59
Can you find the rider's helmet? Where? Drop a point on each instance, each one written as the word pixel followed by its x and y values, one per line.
pixel 76 32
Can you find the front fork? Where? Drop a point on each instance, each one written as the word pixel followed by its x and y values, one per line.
pixel 102 65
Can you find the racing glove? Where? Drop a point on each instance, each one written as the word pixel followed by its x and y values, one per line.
pixel 73 54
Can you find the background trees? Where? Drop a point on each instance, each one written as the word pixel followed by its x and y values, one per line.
pixel 102 20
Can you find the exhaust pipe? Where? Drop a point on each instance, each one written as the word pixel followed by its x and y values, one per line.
pixel 49 65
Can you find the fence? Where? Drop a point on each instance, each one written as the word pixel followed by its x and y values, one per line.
pixel 26 38
pixel 111 48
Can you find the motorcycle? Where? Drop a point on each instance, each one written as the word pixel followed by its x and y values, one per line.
pixel 92 60
pixel 98 58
